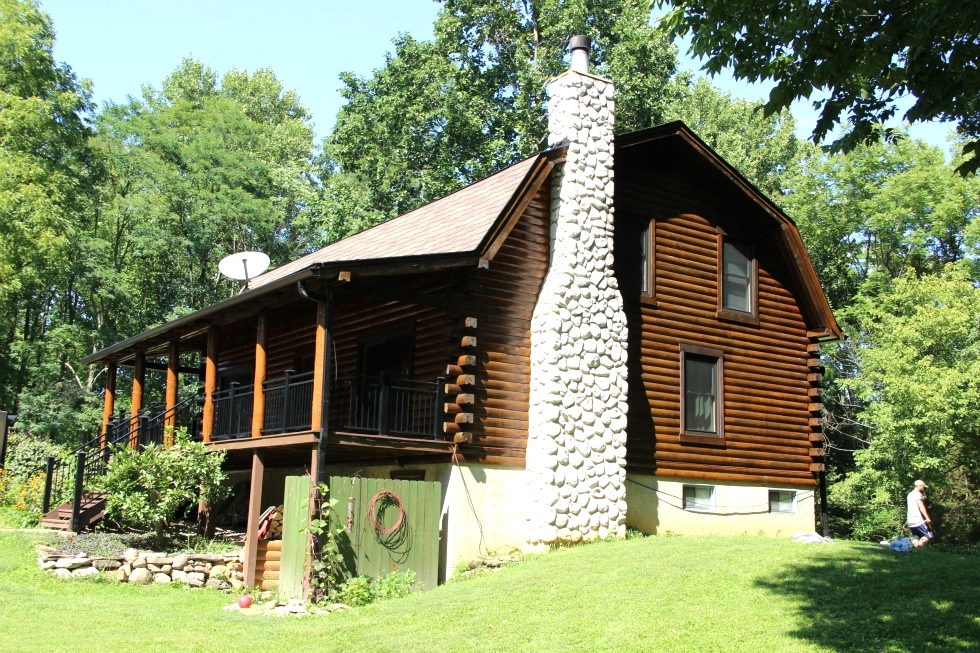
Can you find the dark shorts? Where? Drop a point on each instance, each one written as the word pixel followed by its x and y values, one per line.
pixel 922 530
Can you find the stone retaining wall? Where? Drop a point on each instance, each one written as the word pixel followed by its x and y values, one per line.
pixel 216 571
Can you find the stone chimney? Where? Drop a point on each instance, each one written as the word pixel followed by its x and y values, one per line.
pixel 576 451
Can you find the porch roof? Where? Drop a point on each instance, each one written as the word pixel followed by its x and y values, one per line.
pixel 453 231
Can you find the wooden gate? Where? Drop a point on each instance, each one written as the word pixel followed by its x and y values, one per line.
pixel 295 536
pixel 400 532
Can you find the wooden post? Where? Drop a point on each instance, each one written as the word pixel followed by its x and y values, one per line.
pixel 311 514
pixel 170 416
pixel 254 512
pixel 258 396
pixel 3 438
pixel 108 400
pixel 139 378
pixel 210 383
pixel 76 505
pixel 321 375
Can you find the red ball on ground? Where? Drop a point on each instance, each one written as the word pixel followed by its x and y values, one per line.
pixel 244 601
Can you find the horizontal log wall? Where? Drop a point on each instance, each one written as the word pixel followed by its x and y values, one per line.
pixel 767 393
pixel 363 317
pixel 501 300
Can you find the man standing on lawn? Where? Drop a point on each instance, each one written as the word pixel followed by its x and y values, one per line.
pixel 919 522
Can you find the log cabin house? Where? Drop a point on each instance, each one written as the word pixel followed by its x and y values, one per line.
pixel 569 356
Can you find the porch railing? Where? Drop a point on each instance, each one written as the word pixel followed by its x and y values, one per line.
pixel 233 412
pixel 288 403
pixel 389 406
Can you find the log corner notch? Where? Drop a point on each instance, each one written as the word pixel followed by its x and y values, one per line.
pixel 815 407
pixel 460 397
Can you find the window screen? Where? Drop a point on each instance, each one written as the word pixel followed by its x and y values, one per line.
pixel 737 277
pixel 698 497
pixel 700 394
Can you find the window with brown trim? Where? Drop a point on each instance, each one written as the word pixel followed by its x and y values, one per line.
pixel 702 395
pixel 738 281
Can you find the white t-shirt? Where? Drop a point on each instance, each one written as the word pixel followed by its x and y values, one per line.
pixel 915 516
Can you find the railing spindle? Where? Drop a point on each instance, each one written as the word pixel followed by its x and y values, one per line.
pixel 285 402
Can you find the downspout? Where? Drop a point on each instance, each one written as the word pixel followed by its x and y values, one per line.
pixel 327 304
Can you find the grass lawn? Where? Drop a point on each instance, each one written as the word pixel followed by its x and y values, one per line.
pixel 649 594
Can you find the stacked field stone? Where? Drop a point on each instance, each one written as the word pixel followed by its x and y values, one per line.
pixel 576 451
pixel 223 572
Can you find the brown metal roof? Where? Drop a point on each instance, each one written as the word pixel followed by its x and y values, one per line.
pixel 454 224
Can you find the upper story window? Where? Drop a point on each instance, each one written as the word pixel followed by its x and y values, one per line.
pixel 738 281
pixel 647 258
pixel 736 286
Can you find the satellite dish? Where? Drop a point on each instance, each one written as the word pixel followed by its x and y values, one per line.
pixel 243 266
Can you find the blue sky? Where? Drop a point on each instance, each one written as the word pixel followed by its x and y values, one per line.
pixel 123 44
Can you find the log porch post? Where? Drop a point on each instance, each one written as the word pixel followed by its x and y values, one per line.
pixel 139 379
pixel 254 512
pixel 210 384
pixel 108 401
pixel 322 362
pixel 258 392
pixel 173 368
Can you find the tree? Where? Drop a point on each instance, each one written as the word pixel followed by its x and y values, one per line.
pixel 763 148
pixel 880 210
pixel 444 113
pixel 918 343
pixel 863 55
pixel 47 177
pixel 200 169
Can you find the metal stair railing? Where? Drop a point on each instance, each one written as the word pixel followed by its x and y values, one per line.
pixel 91 459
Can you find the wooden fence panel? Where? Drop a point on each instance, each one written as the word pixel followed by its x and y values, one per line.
pixel 294 537
pixel 404 537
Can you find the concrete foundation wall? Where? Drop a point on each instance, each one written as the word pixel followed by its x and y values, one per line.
pixel 498 496
pixel 737 508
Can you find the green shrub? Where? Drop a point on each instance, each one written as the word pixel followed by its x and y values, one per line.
pixel 27 453
pixel 362 590
pixel 146 488
pixel 22 479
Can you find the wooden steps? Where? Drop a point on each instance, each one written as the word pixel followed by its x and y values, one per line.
pixel 268 554
pixel 92 510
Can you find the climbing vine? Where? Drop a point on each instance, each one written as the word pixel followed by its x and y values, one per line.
pixel 327 572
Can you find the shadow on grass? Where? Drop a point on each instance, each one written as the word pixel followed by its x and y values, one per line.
pixel 869 599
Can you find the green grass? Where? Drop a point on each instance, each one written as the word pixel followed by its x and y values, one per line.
pixel 649 594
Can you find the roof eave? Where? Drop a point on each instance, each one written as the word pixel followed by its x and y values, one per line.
pixel 364 268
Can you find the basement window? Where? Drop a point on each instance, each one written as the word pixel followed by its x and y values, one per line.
pixel 699 498
pixel 782 501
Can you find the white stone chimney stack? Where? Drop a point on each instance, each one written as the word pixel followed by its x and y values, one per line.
pixel 576 451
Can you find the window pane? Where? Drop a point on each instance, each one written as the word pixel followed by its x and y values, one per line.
pixel 697 497
pixel 781 500
pixel 737 281
pixel 645 259
pixel 699 399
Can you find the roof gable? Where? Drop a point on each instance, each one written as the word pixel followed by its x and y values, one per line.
pixel 677 139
